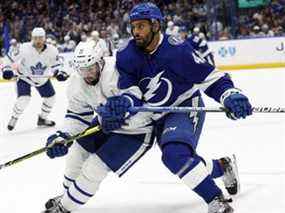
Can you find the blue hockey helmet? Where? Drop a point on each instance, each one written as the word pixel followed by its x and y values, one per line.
pixel 145 11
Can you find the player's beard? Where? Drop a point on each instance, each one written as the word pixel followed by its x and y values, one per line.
pixel 91 82
pixel 143 43
pixel 93 79
pixel 39 45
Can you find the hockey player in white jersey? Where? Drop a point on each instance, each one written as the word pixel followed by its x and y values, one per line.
pixel 90 159
pixel 116 151
pixel 36 62
pixel 13 49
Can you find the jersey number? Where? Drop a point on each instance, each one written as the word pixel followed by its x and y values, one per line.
pixel 197 58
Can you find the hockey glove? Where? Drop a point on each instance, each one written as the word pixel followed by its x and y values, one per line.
pixel 238 106
pixel 114 113
pixel 61 75
pixel 8 74
pixel 56 146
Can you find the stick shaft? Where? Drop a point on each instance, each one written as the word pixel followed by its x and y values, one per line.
pixel 86 132
pixel 204 109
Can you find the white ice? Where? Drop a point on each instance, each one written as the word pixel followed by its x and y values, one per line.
pixel 258 142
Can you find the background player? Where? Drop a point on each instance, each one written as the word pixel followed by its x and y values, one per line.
pixel 36 63
pixel 199 43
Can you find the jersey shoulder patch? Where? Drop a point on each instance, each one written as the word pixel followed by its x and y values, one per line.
pixel 175 40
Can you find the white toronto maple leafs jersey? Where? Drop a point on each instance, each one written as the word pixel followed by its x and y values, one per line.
pixel 83 99
pixel 32 66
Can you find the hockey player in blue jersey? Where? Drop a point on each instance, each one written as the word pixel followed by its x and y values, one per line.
pixel 160 70
pixel 198 42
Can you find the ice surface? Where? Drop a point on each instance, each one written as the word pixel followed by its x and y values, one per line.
pixel 258 142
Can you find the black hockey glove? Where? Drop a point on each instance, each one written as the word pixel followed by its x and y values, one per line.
pixel 61 75
pixel 8 74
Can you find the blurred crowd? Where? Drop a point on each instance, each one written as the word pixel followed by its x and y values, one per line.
pixel 69 21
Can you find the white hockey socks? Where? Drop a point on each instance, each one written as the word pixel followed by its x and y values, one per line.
pixel 20 105
pixel 47 106
pixel 86 185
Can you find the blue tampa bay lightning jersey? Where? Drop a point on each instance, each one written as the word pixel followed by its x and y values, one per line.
pixel 172 74
pixel 202 47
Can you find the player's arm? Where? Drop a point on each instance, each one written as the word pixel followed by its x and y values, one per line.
pixel 56 66
pixel 201 46
pixel 217 85
pixel 78 117
pixel 128 84
pixel 114 113
pixel 206 52
pixel 10 62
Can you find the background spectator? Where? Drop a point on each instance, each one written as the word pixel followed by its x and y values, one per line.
pixel 217 19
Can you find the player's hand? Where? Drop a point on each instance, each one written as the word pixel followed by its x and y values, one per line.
pixel 114 113
pixel 238 106
pixel 61 75
pixel 56 146
pixel 8 74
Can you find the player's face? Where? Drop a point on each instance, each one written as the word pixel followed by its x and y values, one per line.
pixel 91 74
pixel 141 31
pixel 38 41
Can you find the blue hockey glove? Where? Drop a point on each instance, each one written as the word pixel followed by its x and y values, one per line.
pixel 61 76
pixel 114 113
pixel 55 145
pixel 238 106
pixel 119 104
pixel 8 74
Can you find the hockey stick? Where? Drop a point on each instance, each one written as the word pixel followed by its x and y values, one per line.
pixel 34 76
pixel 86 132
pixel 204 109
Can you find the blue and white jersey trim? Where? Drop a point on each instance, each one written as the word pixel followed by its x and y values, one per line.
pixel 79 116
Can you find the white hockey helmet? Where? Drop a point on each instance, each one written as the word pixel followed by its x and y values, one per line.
pixel 38 32
pixel 95 34
pixel 13 41
pixel 88 61
pixel 196 30
pixel 66 38
pixel 170 24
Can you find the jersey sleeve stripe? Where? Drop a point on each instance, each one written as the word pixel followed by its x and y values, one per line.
pixel 56 65
pixel 80 114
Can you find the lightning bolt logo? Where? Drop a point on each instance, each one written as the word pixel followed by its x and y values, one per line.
pixel 194 115
pixel 154 84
